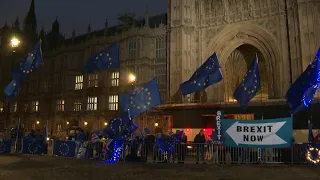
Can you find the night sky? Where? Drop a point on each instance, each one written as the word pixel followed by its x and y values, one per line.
pixel 77 14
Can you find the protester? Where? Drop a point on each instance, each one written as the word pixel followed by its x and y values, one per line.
pixel 200 141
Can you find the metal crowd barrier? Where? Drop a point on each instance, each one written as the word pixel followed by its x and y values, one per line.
pixel 190 153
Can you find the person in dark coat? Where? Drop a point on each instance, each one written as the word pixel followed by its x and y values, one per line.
pixel 200 141
pixel 149 143
pixel 182 149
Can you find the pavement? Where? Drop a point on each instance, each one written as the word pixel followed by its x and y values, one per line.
pixel 28 167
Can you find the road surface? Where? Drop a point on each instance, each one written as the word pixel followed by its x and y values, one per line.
pixel 24 167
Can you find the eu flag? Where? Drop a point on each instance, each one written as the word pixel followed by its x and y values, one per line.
pixel 32 60
pixel 64 148
pixel 120 127
pixel 141 99
pixel 249 86
pixel 301 93
pixel 5 146
pixel 32 146
pixel 207 74
pixel 12 88
pixel 106 59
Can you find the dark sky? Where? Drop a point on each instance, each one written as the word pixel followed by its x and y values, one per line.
pixel 77 14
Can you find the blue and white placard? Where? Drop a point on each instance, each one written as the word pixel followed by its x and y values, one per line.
pixel 270 133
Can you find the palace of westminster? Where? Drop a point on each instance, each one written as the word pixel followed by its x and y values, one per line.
pixel 284 34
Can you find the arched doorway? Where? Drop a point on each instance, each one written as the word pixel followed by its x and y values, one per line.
pixel 235 42
pixel 237 65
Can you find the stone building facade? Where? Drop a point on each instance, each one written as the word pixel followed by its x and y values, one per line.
pixel 283 33
pixel 62 94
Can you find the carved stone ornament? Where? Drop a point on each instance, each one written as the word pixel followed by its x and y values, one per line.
pixel 241 35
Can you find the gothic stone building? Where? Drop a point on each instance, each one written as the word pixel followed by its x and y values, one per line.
pixel 62 94
pixel 236 30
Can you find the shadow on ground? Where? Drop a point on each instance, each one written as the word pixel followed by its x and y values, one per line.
pixel 49 168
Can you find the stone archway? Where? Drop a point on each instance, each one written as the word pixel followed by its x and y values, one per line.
pixel 233 36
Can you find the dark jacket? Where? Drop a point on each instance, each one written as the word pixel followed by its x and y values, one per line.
pixel 200 139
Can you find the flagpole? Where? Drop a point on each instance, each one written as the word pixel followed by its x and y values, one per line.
pixel 17 137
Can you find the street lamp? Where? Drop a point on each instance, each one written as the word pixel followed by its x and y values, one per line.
pixel 67 122
pixel 85 123
pixel 38 122
pixel 156 124
pixel 132 79
pixel 105 123
pixel 15 42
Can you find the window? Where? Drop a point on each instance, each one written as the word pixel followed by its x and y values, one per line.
pixel 60 105
pixel 134 48
pixel 45 86
pixel 79 82
pixel 93 80
pixel 26 107
pixel 35 106
pixel 115 78
pixel 92 103
pixel 14 107
pixel 160 48
pixel 113 103
pixel 77 105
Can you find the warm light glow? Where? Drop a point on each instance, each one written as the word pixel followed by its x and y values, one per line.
pixel 204 130
pixel 48 138
pixel 67 122
pixel 38 122
pixel 15 42
pixel 188 130
pixel 132 78
pixel 156 124
pixel 85 123
pixel 105 123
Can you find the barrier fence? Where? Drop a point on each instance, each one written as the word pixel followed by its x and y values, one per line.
pixel 181 153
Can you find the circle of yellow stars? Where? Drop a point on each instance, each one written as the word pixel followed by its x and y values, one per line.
pixel 30 55
pixel 144 106
pixel 104 54
pixel 32 149
pixel 115 131
pixel 63 151
pixel 255 83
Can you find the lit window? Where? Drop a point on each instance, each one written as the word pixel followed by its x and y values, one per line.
pixel 93 80
pixel 115 78
pixel 113 103
pixel 35 106
pixel 60 105
pixel 160 48
pixel 77 105
pixel 79 82
pixel 14 107
pixel 92 103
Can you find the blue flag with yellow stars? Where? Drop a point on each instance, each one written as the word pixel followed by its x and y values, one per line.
pixel 5 146
pixel 32 146
pixel 141 99
pixel 64 148
pixel 301 93
pixel 249 86
pixel 120 127
pixel 207 74
pixel 167 143
pixel 12 88
pixel 106 59
pixel 30 62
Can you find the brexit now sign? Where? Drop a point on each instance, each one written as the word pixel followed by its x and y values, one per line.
pixel 270 133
